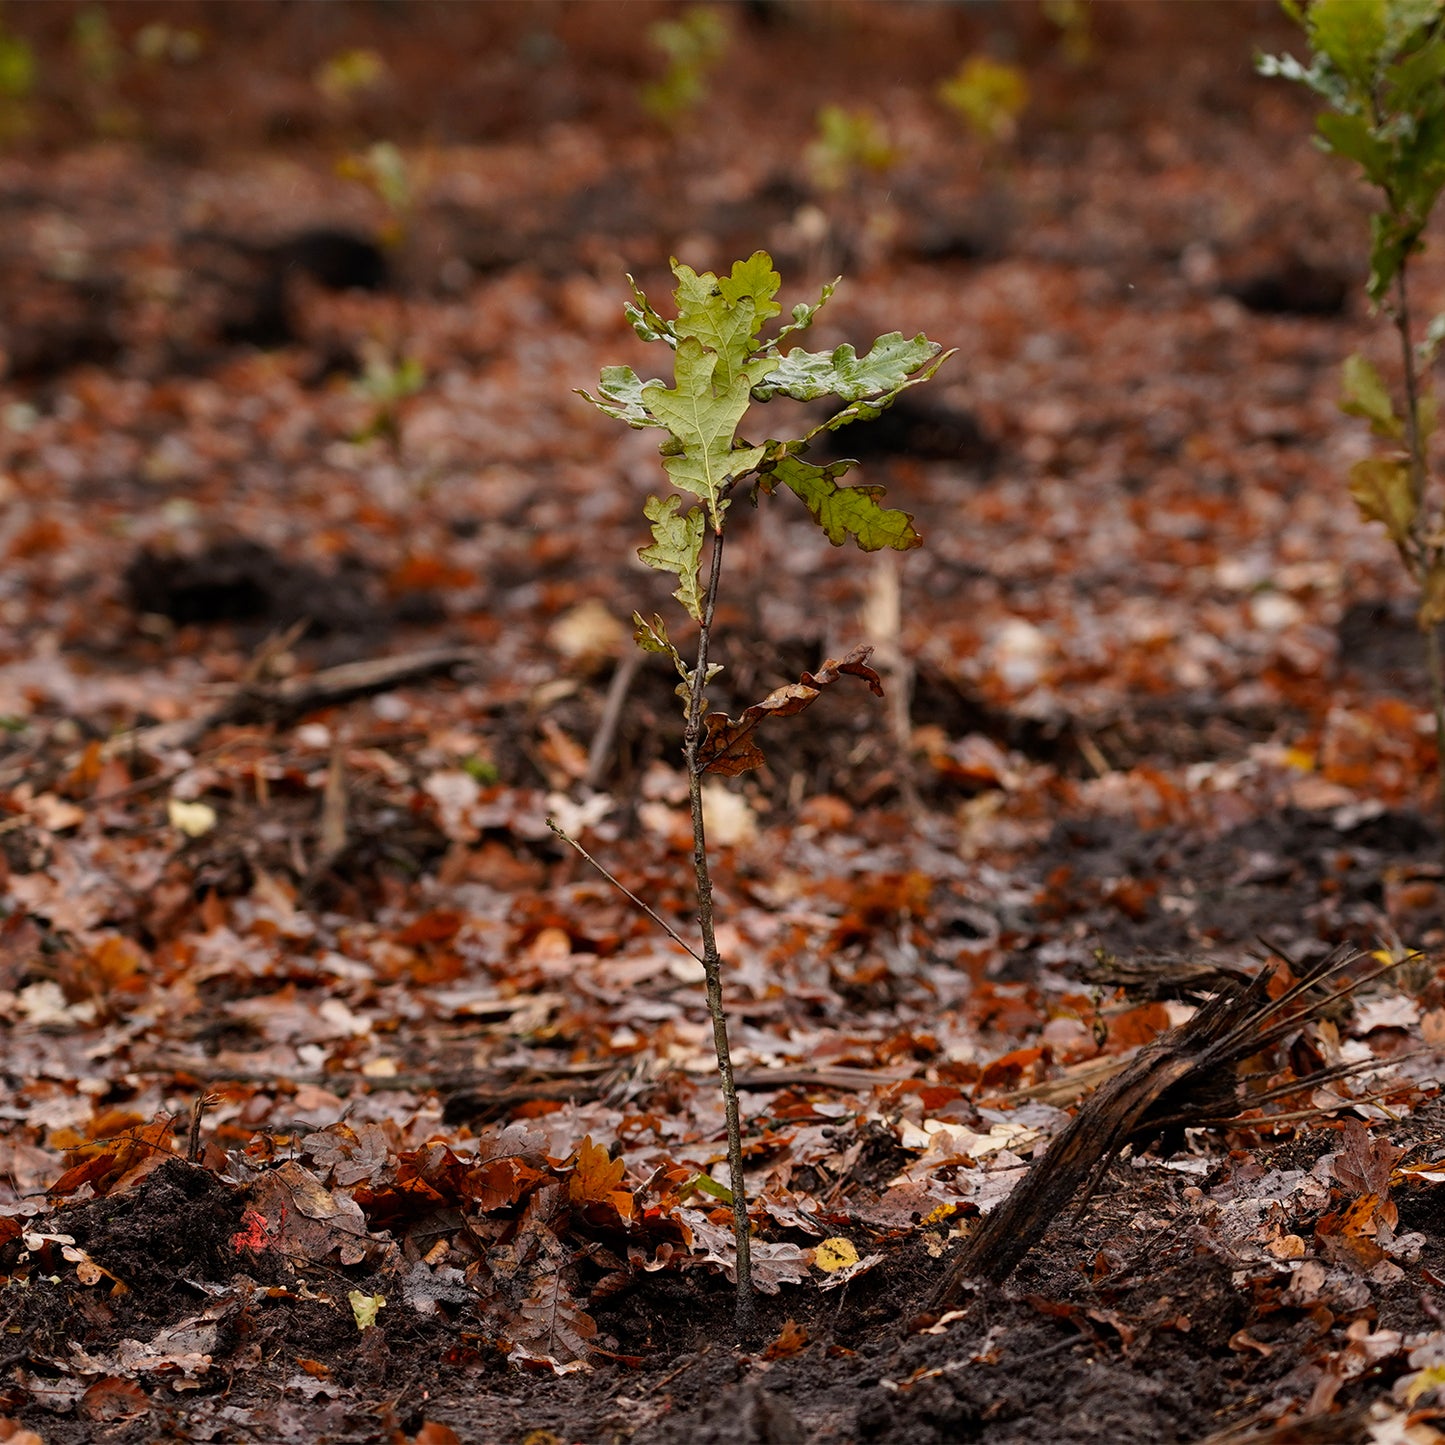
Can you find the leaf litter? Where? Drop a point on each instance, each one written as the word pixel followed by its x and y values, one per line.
pixel 461 1147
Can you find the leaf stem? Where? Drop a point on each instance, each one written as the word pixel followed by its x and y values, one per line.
pixel 711 961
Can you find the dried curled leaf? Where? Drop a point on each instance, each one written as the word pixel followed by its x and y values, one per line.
pixel 729 747
pixel 1383 492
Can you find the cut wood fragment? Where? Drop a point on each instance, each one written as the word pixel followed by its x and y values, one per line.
pixel 1187 1078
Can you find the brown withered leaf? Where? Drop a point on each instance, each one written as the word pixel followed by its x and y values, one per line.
pixel 116 1163
pixel 729 747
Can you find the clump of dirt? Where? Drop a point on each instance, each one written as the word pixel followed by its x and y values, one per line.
pixel 238 580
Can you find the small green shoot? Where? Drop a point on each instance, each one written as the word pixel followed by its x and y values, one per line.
pixel 160 43
pixel 390 374
pixel 1379 65
pixel 988 96
pixel 847 142
pixel 349 74
pixel 694 44
pixel 17 81
pixel 1076 31
pixel 722 364
pixel 480 769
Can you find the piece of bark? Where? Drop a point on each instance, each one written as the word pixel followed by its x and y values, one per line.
pixel 1186 1078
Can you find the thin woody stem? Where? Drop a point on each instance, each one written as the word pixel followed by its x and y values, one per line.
pixel 626 892
pixel 1428 553
pixel 711 961
pixel 1413 438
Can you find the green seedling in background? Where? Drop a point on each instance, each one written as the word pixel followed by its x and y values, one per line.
pixel 722 365
pixel 160 43
pixel 383 170
pixel 101 60
pixel 1076 31
pixel 17 81
pixel 848 142
pixel 989 96
pixel 850 152
pixel 349 74
pixel 695 44
pixel 1380 67
pixel 390 373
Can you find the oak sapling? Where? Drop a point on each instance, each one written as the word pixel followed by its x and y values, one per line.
pixel 1380 67
pixel 722 364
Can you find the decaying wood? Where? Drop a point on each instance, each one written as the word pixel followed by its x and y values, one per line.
pixel 1186 1078
pixel 1159 978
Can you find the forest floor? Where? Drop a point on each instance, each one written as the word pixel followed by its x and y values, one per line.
pixel 343 1102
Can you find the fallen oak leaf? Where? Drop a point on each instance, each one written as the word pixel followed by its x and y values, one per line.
pixel 596 1174
pixel 365 1308
pixel 729 748
pixel 792 1338
pixel 117 1162
pixel 834 1254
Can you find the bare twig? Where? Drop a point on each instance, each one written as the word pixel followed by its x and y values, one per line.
pixel 600 753
pixel 627 893
pixel 198 1109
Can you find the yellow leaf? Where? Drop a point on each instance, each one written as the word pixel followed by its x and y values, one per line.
pixel 365 1307
pixel 195 820
pixel 596 1175
pixel 1430 1378
pixel 835 1254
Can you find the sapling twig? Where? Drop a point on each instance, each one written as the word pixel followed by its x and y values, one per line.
pixel 1377 64
pixel 626 892
pixel 722 365
pixel 711 963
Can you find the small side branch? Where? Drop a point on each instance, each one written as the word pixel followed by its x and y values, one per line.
pixel 628 894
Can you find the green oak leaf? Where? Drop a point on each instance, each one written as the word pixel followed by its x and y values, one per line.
pixel 1352 33
pixel 1363 393
pixel 651 636
pixel 871 408
pixel 807 375
pixel 619 395
pixel 844 512
pixel 676 547
pixel 644 320
pixel 726 315
pixel 703 417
